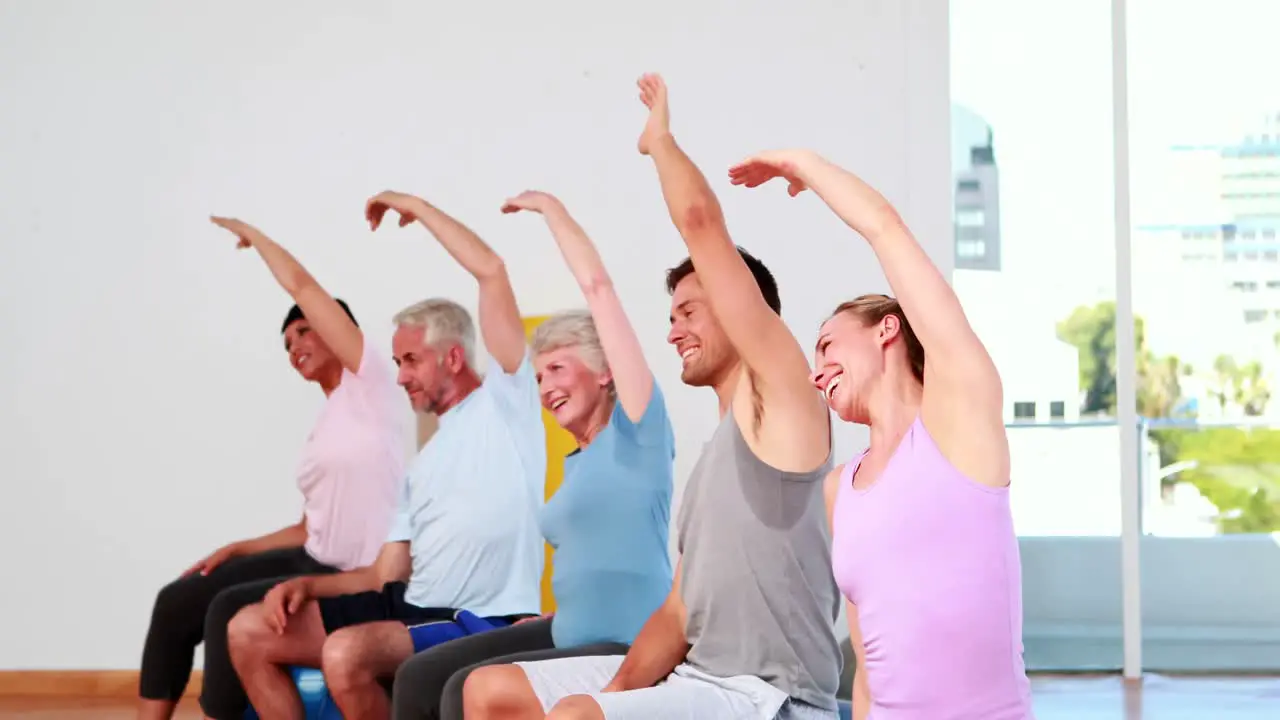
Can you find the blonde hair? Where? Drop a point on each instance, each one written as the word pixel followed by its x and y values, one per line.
pixel 871 309
pixel 572 329
pixel 444 321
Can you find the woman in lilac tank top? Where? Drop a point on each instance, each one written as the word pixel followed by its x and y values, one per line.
pixel 923 545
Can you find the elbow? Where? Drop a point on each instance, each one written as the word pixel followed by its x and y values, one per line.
pixel 299 284
pixel 597 284
pixel 491 268
pixel 698 216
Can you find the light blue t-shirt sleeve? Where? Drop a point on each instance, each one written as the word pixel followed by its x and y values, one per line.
pixel 516 392
pixel 654 428
pixel 400 529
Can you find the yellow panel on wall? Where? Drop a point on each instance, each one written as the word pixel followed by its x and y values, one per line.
pixel 559 444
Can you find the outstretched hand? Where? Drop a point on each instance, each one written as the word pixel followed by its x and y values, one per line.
pixel 379 204
pixel 760 169
pixel 531 200
pixel 247 233
pixel 653 93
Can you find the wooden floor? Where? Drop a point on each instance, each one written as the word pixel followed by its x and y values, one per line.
pixel 1105 698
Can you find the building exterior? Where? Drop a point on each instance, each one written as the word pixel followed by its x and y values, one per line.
pixel 976 193
pixel 1207 280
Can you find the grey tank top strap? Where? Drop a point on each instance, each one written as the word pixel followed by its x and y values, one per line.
pixel 756 576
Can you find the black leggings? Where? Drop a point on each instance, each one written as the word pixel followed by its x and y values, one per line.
pixel 429 684
pixel 198 607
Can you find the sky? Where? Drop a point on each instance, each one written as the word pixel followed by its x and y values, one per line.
pixel 1040 74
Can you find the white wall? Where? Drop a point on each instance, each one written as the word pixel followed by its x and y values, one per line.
pixel 148 412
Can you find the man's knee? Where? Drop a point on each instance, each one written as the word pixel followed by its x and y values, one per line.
pixel 576 707
pixel 345 659
pixel 248 630
pixel 495 688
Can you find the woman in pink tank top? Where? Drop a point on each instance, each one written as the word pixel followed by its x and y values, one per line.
pixel 923 545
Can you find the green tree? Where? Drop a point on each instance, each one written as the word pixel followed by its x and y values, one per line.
pixel 1092 330
pixel 1237 470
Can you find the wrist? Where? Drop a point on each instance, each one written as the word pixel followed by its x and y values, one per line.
pixel 552 207
pixel 659 143
pixel 306 584
pixel 419 208
pixel 803 163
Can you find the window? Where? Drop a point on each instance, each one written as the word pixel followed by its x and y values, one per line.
pixel 971 217
pixel 1048 120
pixel 1201 144
pixel 971 248
pixel 1057 410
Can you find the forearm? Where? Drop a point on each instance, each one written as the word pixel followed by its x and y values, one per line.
pixel 927 298
pixel 579 252
pixel 292 536
pixel 692 204
pixel 859 205
pixel 345 583
pixel 869 214
pixel 659 647
pixel 460 242
pixel 285 267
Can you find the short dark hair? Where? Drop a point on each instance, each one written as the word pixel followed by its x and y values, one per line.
pixel 295 314
pixel 764 279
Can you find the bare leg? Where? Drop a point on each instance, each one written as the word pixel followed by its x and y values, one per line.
pixel 576 707
pixel 355 658
pixel 155 709
pixel 259 656
pixel 500 692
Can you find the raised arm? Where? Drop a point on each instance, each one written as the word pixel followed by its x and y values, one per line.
pixel 500 324
pixel 778 365
pixel 631 374
pixel 963 401
pixel 928 301
pixel 324 313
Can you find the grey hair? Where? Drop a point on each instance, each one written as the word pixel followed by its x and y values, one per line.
pixel 572 329
pixel 445 321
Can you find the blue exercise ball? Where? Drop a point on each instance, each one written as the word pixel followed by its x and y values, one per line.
pixel 316 701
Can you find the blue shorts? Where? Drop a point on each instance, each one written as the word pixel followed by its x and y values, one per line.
pixel 427 626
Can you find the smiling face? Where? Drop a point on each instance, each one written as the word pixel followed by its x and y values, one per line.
pixel 849 358
pixel 308 353
pixel 706 355
pixel 569 388
pixel 426 373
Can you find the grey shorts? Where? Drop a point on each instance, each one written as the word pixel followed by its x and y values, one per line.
pixel 686 694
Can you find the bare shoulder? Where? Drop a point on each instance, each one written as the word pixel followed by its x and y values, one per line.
pixel 971 436
pixel 790 432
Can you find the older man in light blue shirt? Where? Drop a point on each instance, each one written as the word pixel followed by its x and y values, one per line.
pixel 465 536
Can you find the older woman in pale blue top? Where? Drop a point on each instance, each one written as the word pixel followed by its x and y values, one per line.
pixel 608 523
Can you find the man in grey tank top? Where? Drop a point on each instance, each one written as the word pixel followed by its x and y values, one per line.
pixel 749 628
